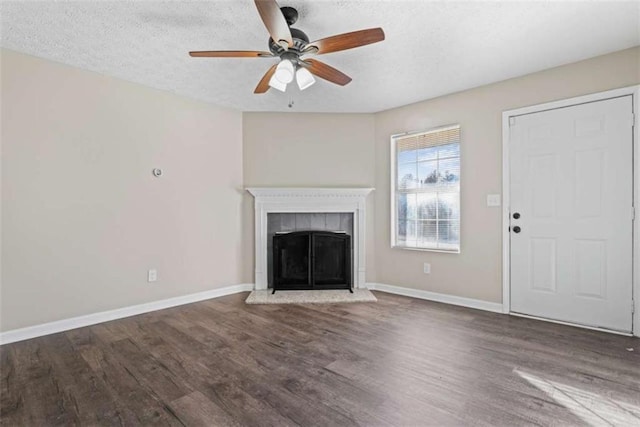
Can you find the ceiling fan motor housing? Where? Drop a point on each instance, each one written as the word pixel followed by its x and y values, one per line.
pixel 300 39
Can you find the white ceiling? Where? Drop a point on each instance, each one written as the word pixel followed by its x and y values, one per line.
pixel 431 48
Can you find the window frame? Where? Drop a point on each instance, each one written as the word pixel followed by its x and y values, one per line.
pixel 394 190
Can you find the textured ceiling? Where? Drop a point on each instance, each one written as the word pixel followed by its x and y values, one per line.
pixel 431 48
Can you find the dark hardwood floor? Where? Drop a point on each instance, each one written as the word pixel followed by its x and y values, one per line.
pixel 399 361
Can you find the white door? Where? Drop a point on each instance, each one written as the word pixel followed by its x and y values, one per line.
pixel 571 184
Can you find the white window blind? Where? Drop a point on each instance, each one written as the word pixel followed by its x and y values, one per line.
pixel 426 190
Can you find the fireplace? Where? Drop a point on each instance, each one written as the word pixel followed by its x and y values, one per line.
pixel 330 209
pixel 311 260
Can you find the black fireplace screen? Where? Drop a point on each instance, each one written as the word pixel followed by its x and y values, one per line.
pixel 311 260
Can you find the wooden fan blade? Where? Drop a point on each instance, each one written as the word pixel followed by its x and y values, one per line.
pixel 326 72
pixel 274 21
pixel 230 54
pixel 346 41
pixel 263 86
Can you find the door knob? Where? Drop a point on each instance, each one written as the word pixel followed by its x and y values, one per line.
pixel 516 215
pixel 516 229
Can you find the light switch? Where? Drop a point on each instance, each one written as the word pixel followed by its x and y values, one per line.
pixel 493 200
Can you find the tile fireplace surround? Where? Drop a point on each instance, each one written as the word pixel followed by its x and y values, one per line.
pixel 309 200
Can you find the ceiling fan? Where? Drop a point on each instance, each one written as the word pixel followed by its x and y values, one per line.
pixel 292 46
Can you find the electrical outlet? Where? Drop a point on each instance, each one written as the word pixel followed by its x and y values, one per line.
pixel 152 275
pixel 427 268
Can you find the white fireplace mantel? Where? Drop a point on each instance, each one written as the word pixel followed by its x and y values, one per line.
pixel 311 200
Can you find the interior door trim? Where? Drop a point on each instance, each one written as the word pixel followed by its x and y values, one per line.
pixel 634 91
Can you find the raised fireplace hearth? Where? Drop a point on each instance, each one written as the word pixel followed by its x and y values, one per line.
pixel 305 260
pixel 330 209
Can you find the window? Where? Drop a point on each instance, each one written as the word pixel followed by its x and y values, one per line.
pixel 425 180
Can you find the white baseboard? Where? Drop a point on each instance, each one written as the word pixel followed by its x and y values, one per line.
pixel 434 296
pixel 105 316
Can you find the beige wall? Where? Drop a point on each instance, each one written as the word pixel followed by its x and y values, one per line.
pixel 289 149
pixel 82 216
pixel 476 271
pixel 307 150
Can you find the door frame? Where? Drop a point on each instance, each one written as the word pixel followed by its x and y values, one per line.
pixel 634 91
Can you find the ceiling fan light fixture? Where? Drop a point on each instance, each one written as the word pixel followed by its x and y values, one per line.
pixel 284 71
pixel 277 84
pixel 304 78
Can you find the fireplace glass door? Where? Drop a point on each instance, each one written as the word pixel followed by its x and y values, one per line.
pixel 311 260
